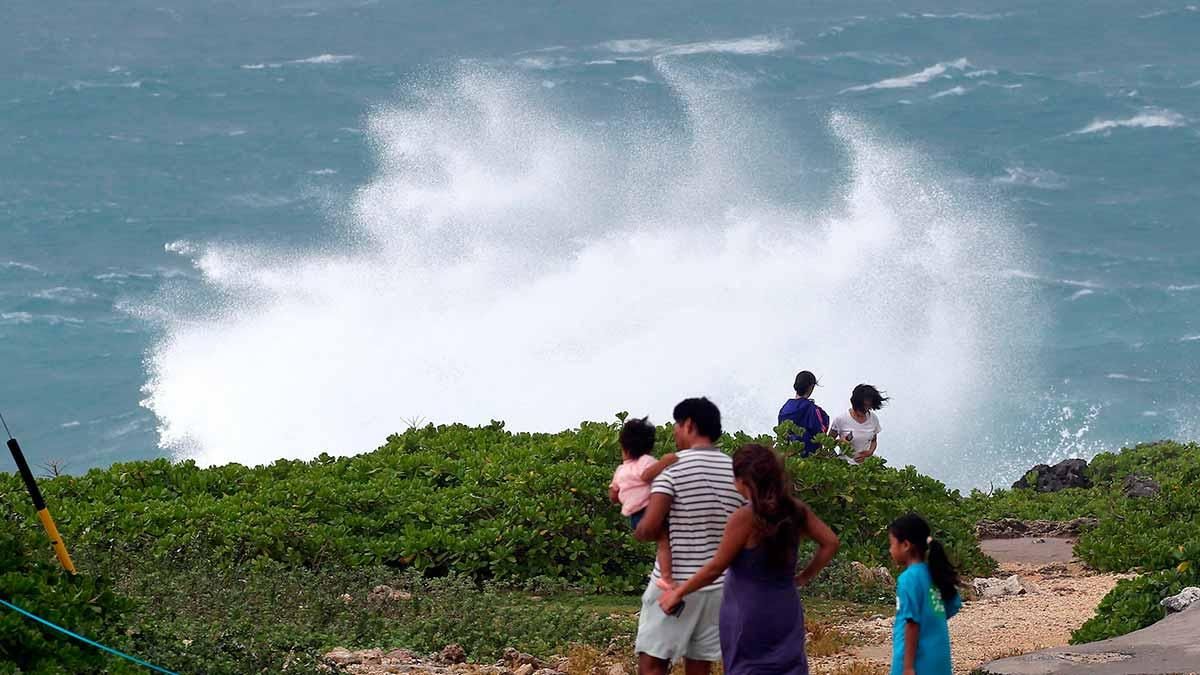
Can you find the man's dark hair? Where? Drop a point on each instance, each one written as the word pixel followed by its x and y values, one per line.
pixel 805 381
pixel 703 413
pixel 637 437
pixel 866 397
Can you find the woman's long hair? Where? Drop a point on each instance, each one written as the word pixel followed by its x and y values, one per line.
pixel 781 519
pixel 913 529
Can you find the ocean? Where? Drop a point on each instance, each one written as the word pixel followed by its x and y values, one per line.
pixel 246 231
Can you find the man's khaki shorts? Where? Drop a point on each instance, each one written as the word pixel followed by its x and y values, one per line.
pixel 695 634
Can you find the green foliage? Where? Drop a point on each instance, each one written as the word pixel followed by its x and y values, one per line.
pixel 1134 604
pixel 82 603
pixel 256 617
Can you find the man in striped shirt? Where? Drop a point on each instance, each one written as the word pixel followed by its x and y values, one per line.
pixel 692 499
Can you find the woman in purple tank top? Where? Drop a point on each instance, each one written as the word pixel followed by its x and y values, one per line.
pixel 762 618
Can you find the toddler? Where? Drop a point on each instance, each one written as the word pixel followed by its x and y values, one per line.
pixel 630 485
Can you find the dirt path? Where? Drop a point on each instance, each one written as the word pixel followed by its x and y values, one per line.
pixel 1065 595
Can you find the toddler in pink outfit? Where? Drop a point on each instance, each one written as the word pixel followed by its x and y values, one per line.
pixel 630 485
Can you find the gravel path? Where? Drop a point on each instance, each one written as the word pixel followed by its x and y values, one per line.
pixel 1065 596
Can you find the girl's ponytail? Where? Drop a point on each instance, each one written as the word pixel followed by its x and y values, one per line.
pixel 913 529
pixel 944 576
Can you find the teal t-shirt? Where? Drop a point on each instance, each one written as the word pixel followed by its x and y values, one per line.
pixel 919 601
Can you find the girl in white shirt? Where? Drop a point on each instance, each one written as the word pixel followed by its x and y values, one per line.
pixel 860 425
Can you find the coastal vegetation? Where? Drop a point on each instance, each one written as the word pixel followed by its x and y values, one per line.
pixel 485 538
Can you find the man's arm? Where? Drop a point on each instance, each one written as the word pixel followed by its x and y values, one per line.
pixel 658 467
pixel 652 525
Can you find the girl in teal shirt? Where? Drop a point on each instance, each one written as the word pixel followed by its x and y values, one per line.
pixel 926 596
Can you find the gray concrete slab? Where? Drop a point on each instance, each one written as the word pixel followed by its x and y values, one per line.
pixel 1169 647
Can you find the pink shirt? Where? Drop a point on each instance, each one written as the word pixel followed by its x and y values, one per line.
pixel 632 491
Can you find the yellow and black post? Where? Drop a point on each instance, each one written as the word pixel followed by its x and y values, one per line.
pixel 60 549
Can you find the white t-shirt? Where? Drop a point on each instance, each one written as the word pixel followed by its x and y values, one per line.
pixel 862 432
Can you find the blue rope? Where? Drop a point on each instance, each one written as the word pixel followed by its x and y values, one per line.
pixel 84 640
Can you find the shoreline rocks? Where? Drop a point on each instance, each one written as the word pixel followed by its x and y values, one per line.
pixel 999 587
pixel 1186 598
pixel 1069 473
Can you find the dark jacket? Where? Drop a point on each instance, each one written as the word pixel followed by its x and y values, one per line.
pixel 809 417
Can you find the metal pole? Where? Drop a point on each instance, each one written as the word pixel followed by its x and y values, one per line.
pixel 39 504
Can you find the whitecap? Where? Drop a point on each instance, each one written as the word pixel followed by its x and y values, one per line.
pixel 637 78
pixel 323 59
pixel 1022 274
pixel 981 73
pixel 70 425
pixel 64 294
pixel 1151 119
pixel 1180 288
pixel 746 46
pixel 543 62
pixel 1128 378
pixel 969 16
pixel 758 44
pixel 1083 293
pixel 180 247
pixel 954 91
pixel 19 318
pixel 17 265
pixel 601 62
pixel 1149 413
pixel 914 79
pixel 14 318
pixel 637 46
pixel 1190 338
pixel 1044 179
pixel 322 172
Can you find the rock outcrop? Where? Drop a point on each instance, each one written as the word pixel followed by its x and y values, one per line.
pixel 1069 473
pixel 1186 598
pixel 999 587
pixel 1137 487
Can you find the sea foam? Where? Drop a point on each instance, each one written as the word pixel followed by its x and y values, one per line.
pixel 508 261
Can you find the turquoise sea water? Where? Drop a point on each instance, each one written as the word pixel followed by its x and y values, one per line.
pixel 243 231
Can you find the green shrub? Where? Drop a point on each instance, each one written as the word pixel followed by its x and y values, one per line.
pixel 1134 604
pixel 81 603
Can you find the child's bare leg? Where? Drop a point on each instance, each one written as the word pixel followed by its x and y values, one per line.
pixel 664 563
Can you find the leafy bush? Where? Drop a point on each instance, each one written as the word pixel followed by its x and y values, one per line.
pixel 82 603
pixel 1134 604
pixel 257 617
pixel 480 502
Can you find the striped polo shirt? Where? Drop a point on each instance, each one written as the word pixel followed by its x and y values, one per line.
pixel 702 495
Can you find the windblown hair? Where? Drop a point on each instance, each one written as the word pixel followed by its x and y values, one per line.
pixel 637 437
pixel 781 519
pixel 913 529
pixel 866 397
